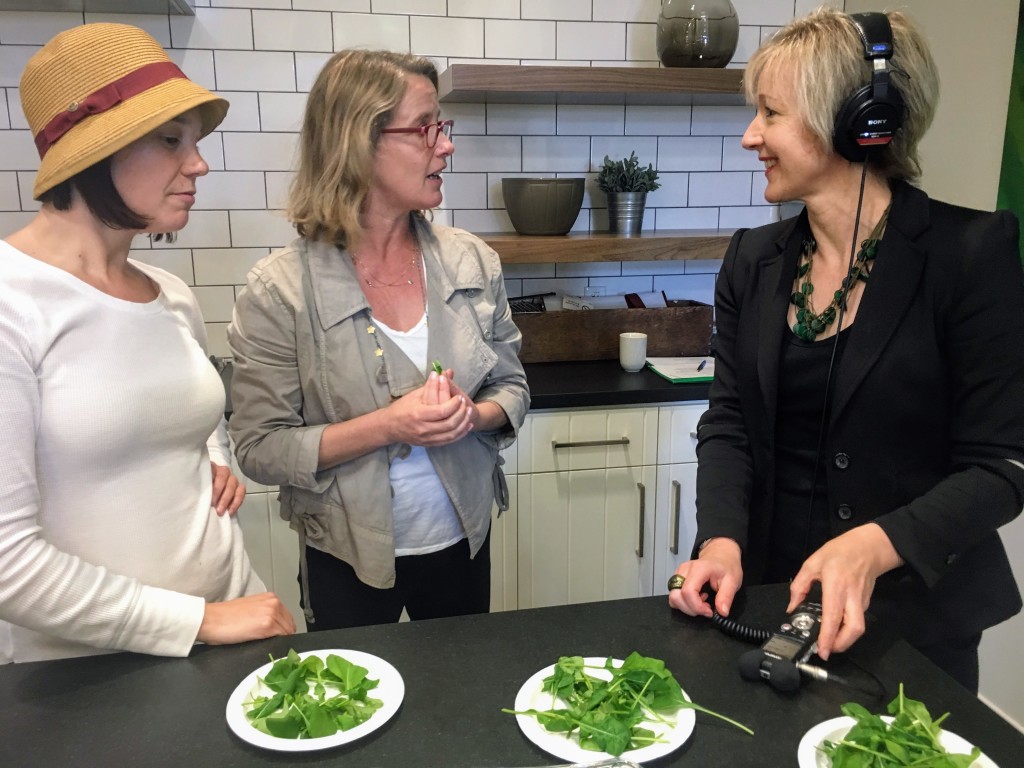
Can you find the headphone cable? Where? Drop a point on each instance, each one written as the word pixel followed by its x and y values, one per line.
pixel 831 363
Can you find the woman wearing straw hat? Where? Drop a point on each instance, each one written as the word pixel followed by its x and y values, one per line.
pixel 114 532
pixel 388 469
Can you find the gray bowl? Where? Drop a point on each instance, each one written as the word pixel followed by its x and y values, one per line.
pixel 543 206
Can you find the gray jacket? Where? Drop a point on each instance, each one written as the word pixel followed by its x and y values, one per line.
pixel 303 359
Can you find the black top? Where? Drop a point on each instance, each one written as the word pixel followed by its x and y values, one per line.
pixel 801 491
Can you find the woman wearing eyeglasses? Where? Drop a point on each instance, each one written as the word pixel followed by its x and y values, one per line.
pixel 388 469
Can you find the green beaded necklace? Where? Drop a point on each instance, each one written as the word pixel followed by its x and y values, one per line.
pixel 808 323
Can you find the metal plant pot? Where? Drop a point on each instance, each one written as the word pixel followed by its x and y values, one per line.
pixel 626 212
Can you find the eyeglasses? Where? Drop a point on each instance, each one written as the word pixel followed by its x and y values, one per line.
pixel 430 132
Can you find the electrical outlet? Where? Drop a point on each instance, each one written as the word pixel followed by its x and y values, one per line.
pixel 594 290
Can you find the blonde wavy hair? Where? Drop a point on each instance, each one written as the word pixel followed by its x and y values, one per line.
pixel 354 97
pixel 824 53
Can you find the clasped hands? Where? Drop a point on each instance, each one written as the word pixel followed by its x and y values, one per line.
pixel 846 567
pixel 438 413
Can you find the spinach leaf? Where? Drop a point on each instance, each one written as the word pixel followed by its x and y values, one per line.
pixel 301 708
pixel 912 738
pixel 608 714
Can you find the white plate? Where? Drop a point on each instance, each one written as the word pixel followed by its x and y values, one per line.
pixel 808 755
pixel 390 690
pixel 531 696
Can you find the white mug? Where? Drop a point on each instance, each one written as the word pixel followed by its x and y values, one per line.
pixel 632 351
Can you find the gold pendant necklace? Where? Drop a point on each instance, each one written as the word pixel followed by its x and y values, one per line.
pixel 375 282
pixel 371 326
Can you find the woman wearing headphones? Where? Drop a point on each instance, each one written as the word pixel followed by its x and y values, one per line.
pixel 865 420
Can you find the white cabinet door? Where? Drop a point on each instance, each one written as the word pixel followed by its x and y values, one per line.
pixel 677 432
pixel 284 549
pixel 586 506
pixel 504 554
pixel 585 535
pixel 676 524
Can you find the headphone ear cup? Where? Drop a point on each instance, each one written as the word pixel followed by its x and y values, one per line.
pixel 863 114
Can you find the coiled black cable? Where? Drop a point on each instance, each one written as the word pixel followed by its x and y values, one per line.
pixel 739 630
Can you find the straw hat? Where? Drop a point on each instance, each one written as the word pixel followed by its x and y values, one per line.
pixel 96 88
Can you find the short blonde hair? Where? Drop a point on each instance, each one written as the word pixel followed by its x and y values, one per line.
pixel 824 52
pixel 354 97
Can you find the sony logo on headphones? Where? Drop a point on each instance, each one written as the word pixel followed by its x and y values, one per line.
pixel 877 122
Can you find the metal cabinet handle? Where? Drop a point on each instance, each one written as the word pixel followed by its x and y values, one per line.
pixel 590 443
pixel 674 535
pixel 643 504
pixel 693 434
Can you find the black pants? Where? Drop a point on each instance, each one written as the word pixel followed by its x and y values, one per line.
pixel 432 586
pixel 958 658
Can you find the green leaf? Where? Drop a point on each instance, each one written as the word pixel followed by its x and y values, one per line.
pixel 626 175
pixel 912 738
pixel 318 722
pixel 609 713
pixel 292 712
pixel 608 734
pixel 282 725
pixel 349 675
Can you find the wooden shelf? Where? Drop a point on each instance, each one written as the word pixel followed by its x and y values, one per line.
pixel 662 245
pixel 586 85
pixel 162 7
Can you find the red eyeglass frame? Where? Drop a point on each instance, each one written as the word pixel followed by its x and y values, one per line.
pixel 441 126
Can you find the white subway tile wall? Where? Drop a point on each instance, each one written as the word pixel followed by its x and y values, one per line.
pixel 263 56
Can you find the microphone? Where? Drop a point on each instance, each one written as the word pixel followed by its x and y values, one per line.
pixel 780 674
pixel 784 676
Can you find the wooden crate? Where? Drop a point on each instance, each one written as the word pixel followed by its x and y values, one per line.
pixel 681 329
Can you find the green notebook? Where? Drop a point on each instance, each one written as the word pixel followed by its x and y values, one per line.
pixel 680 370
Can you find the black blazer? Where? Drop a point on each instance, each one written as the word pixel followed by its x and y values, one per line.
pixel 926 431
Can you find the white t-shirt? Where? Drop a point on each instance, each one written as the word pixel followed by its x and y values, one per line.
pixel 107 537
pixel 424 519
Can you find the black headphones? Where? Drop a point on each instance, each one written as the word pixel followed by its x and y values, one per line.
pixel 870 117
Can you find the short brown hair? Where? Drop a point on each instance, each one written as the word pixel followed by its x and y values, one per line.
pixel 354 97
pixel 95 185
pixel 824 51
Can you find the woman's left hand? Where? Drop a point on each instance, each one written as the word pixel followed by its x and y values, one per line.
pixel 847 567
pixel 484 416
pixel 228 492
pixel 441 386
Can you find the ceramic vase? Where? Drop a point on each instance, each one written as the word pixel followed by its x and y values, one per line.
pixel 697 33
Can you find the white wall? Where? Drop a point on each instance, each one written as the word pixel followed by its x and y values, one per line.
pixel 973 49
pixel 264 54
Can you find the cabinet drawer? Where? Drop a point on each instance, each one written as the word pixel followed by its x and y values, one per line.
pixel 511 457
pixel 677 432
pixel 588 439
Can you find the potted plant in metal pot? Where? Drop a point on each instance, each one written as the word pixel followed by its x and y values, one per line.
pixel 626 183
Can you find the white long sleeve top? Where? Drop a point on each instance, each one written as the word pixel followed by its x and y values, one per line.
pixel 107 537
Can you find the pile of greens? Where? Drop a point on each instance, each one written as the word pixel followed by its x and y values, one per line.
pixel 912 738
pixel 608 714
pixel 300 707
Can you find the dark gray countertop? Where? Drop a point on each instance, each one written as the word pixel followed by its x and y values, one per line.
pixel 126 709
pixel 603 382
pixel 579 384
